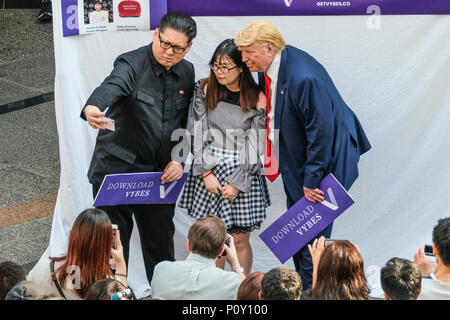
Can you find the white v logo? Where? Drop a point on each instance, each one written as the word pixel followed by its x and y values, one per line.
pixel 288 2
pixel 333 205
pixel 163 193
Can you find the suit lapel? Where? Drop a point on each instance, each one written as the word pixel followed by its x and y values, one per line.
pixel 281 89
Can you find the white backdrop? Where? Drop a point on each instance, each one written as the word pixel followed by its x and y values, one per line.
pixel 396 79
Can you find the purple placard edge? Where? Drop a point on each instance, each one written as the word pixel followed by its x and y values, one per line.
pixel 289 242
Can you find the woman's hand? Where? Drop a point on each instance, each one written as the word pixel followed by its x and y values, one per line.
pixel 316 251
pixel 212 184
pixel 119 260
pixel 230 192
pixel 117 255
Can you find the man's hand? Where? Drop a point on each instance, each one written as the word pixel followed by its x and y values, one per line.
pixel 314 195
pixel 230 192
pixel 212 184
pixel 426 266
pixel 95 117
pixel 232 256
pixel 173 171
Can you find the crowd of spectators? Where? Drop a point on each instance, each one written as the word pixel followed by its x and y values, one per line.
pixel 338 272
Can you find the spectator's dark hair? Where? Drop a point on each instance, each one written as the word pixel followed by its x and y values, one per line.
pixel 104 289
pixel 441 239
pixel 250 288
pixel 180 22
pixel 281 283
pixel 10 274
pixel 401 279
pixel 207 236
pixel 340 274
pixel 90 244
pixel 249 90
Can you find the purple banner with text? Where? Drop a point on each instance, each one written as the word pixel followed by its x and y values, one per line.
pixel 138 188
pixel 79 16
pixel 307 7
pixel 304 220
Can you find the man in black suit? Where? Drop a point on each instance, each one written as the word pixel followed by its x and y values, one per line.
pixel 147 95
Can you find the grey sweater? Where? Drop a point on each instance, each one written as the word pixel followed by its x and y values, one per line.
pixel 227 127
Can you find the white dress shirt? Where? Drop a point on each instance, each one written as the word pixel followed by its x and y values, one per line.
pixel 196 278
pixel 272 72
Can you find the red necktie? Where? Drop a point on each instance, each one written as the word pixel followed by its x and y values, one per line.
pixel 270 161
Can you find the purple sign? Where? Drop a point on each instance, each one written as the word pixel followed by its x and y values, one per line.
pixel 307 7
pixel 304 220
pixel 138 188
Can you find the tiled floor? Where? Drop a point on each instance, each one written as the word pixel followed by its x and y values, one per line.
pixel 29 152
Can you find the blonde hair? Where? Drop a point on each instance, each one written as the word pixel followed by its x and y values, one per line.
pixel 262 32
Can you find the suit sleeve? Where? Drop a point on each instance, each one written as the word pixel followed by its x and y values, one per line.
pixel 315 104
pixel 118 84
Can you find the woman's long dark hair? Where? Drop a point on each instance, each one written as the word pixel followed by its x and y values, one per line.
pixel 90 244
pixel 249 91
pixel 340 275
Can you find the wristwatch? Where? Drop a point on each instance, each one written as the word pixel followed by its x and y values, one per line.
pixel 239 270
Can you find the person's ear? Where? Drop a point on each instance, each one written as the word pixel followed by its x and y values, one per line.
pixel 188 244
pixel 155 34
pixel 271 49
pixel 188 48
pixel 260 295
pixel 435 250
pixel 220 254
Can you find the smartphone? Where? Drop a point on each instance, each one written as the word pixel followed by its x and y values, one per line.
pixel 115 227
pixel 429 250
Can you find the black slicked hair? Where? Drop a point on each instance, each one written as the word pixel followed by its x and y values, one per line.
pixel 180 22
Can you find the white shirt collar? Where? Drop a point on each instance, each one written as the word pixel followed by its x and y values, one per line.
pixel 272 72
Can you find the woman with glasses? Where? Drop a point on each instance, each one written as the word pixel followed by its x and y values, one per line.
pixel 228 122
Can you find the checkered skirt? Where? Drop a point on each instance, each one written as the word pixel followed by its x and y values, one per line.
pixel 247 210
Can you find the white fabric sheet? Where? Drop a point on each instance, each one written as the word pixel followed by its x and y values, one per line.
pixel 396 79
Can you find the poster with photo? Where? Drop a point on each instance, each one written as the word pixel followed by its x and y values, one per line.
pixel 90 16
pixel 113 15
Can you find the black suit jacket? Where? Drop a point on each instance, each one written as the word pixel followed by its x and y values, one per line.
pixel 147 103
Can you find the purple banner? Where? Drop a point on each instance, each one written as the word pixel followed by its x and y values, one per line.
pixel 307 7
pixel 304 220
pixel 137 188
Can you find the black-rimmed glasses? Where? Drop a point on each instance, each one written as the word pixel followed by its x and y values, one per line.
pixel 222 69
pixel 167 45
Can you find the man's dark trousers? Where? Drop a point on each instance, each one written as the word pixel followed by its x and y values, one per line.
pixel 157 237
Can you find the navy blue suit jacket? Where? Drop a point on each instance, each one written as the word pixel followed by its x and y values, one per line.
pixel 318 132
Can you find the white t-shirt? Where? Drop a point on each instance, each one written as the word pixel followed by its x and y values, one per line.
pixel 434 289
pixel 98 17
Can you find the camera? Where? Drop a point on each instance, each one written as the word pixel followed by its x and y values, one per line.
pixel 227 243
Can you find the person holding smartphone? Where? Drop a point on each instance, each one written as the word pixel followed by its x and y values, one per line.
pixel 89 256
pixel 197 277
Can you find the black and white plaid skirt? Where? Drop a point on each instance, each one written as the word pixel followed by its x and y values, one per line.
pixel 246 212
